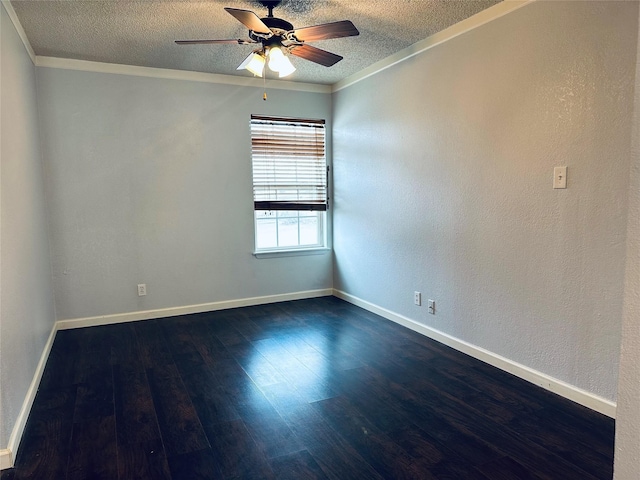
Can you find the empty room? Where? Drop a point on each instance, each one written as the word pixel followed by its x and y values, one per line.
pixel 320 239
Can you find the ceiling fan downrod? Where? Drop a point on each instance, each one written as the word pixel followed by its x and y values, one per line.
pixel 270 4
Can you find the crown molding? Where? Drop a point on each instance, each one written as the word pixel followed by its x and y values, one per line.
pixel 499 10
pixel 168 74
pixel 481 18
pixel 18 26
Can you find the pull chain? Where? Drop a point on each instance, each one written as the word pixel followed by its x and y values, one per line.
pixel 264 95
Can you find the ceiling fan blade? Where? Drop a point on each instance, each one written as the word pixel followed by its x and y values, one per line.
pixel 249 20
pixel 209 42
pixel 329 30
pixel 316 55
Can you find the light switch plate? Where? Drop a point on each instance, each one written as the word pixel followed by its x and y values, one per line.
pixel 432 306
pixel 560 177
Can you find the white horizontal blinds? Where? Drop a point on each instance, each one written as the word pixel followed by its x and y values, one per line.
pixel 289 166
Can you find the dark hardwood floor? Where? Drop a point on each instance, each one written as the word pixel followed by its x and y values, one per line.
pixel 312 389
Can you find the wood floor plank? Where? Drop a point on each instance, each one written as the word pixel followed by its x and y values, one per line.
pixel 44 459
pixel 60 370
pixel 378 450
pixel 297 466
pixel 44 449
pixel 271 433
pixel 506 468
pixel 249 329
pixel 240 389
pixel 178 335
pixel 95 342
pixel 140 449
pixel 124 345
pixel 283 397
pixel 154 351
pixel 190 363
pixel 336 457
pixel 593 435
pixel 465 444
pixel 136 419
pixel 326 341
pixel 512 398
pixel 235 448
pixel 209 347
pixel 143 460
pixel 209 398
pixel 474 399
pixel 227 333
pixel 198 465
pixel 553 437
pixel 178 420
pixel 431 458
pixel 311 385
pixel 530 454
pixel 370 398
pixel 95 391
pixel 93 449
pixel 259 369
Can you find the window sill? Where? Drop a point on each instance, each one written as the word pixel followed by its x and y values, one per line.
pixel 291 253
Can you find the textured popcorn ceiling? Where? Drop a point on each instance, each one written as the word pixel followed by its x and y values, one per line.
pixel 142 32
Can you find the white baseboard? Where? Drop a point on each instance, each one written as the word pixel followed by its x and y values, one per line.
pixel 575 394
pixel 5 459
pixel 186 310
pixel 7 456
pixel 564 389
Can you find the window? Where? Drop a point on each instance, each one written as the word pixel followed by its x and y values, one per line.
pixel 289 183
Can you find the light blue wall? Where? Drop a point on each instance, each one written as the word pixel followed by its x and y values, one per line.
pixel 149 181
pixel 26 301
pixel 443 168
pixel 443 172
pixel 628 408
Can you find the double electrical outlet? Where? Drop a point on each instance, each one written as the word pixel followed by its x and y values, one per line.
pixel 417 300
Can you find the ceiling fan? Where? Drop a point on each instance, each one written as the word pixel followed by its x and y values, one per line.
pixel 277 36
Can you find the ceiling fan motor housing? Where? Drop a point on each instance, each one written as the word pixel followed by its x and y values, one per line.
pixel 278 27
pixel 278 23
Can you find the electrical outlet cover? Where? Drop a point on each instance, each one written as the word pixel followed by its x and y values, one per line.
pixel 417 298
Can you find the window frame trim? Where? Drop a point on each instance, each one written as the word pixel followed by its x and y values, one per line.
pixel 296 252
pixel 322 209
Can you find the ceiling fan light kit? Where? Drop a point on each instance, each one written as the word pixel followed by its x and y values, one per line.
pixel 254 63
pixel 279 63
pixel 278 36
